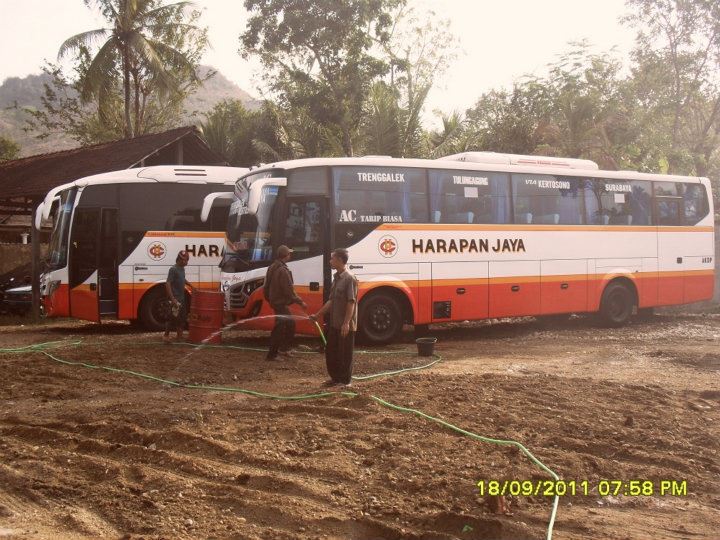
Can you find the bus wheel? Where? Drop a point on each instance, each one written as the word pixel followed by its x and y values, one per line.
pixel 617 304
pixel 379 319
pixel 153 310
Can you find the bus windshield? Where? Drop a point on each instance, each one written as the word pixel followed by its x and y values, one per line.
pixel 57 253
pixel 249 236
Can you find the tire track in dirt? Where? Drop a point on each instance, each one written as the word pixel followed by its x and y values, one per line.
pixel 158 470
pixel 346 468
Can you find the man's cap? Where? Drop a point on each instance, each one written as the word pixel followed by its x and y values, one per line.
pixel 183 255
pixel 283 251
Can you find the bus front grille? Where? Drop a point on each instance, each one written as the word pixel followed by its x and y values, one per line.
pixel 237 299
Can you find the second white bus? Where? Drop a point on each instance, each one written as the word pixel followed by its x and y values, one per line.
pixel 472 236
pixel 116 234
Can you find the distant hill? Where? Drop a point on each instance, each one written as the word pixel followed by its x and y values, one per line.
pixel 27 91
pixel 215 90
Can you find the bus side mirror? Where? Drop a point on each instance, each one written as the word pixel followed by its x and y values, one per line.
pixel 210 200
pixel 49 201
pixel 256 191
pixel 44 209
pixel 39 215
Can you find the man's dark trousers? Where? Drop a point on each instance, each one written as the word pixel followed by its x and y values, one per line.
pixel 339 355
pixel 283 331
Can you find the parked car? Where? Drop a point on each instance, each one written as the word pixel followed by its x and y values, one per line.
pixel 16 300
pixel 15 290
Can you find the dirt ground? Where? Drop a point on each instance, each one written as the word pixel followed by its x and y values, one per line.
pixel 88 453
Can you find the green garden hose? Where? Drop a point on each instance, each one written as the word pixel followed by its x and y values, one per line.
pixel 437 357
pixel 322 334
pixel 44 347
pixel 39 347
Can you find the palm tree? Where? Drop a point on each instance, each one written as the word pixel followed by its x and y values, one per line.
pixel 381 128
pixel 139 42
pixel 455 137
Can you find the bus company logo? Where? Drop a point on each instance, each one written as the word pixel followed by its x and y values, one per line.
pixel 157 251
pixel 388 246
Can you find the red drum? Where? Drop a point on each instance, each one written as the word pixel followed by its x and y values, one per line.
pixel 206 317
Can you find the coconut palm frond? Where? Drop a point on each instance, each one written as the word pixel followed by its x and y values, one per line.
pixel 83 39
pixel 162 27
pixel 152 61
pixel 100 71
pixel 174 56
pixel 166 10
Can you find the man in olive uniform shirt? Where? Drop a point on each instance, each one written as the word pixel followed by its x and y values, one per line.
pixel 342 306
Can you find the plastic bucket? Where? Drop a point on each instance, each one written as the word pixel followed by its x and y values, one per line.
pixel 426 345
pixel 206 317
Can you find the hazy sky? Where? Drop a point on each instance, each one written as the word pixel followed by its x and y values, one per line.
pixel 501 39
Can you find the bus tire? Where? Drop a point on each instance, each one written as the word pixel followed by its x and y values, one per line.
pixel 151 310
pixel 379 319
pixel 616 306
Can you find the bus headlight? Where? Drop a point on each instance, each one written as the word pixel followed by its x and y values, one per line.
pixel 252 286
pixel 52 286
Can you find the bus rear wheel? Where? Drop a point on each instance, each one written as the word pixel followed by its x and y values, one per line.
pixel 153 311
pixel 379 319
pixel 617 304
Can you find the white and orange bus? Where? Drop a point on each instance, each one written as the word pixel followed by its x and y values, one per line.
pixel 116 234
pixel 472 236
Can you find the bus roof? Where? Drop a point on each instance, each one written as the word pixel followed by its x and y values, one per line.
pixel 179 174
pixel 495 163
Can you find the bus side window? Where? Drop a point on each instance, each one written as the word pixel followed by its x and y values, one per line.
pixel 302 228
pixel 469 197
pixel 668 212
pixel 641 203
pixel 696 205
pixel 370 196
pixel 547 200
pixel 668 208
pixel 218 218
pixel 617 202
pixel 187 219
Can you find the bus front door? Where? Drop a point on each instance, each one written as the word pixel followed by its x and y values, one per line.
pixel 93 263
pixel 108 262
pixel 304 230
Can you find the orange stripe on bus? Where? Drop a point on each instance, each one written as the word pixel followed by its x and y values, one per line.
pixel 363 285
pixel 175 234
pixel 205 285
pixel 518 227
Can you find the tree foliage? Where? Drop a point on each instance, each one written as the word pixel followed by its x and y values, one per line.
pixel 130 78
pixel 318 57
pixel 419 50
pixel 246 138
pixel 353 76
pixel 677 76
pixel 662 116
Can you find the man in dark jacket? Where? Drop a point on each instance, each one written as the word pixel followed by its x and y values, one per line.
pixel 280 293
